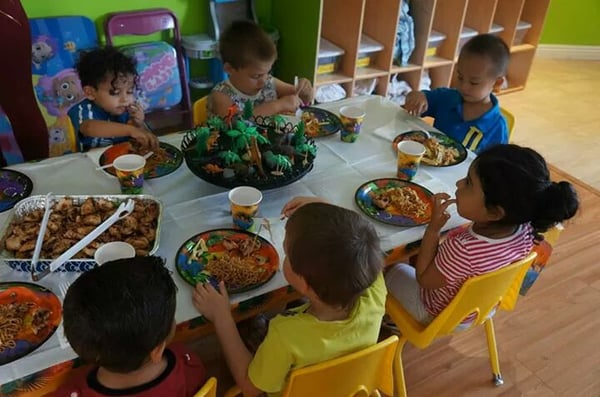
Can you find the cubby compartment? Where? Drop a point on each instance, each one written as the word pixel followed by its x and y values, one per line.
pixel 346 22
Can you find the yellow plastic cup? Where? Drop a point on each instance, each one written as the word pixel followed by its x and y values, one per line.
pixel 244 202
pixel 130 173
pixel 410 154
pixel 352 118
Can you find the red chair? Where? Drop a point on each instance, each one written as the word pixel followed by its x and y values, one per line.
pixel 145 22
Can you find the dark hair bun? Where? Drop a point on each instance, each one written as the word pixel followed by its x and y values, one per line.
pixel 557 202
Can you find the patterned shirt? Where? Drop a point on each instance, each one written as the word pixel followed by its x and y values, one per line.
pixel 446 106
pixel 267 94
pixel 465 254
pixel 88 110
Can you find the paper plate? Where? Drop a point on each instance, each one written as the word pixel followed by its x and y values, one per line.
pixel 155 167
pixel 14 186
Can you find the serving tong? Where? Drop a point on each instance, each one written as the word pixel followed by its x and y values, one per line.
pixel 124 210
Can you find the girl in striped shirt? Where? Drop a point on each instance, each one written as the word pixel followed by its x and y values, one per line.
pixel 510 200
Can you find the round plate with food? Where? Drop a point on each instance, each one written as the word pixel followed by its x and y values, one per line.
pixel 320 122
pixel 395 201
pixel 14 186
pixel 241 259
pixel 440 149
pixel 29 315
pixel 164 161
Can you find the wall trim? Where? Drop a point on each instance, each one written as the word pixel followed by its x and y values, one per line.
pixel 560 51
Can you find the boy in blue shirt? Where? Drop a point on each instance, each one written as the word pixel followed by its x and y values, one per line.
pixel 470 114
pixel 109 113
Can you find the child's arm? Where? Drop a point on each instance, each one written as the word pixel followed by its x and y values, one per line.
pixel 108 129
pixel 304 90
pixel 215 306
pixel 416 103
pixel 428 275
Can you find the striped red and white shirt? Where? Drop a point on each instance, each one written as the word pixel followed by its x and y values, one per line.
pixel 466 254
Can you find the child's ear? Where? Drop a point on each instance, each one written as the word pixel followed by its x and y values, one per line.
pixel 89 92
pixel 157 353
pixel 496 213
pixel 498 83
pixel 228 68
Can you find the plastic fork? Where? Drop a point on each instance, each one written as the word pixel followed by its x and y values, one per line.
pixel 146 157
pixel 40 238
pixel 60 332
pixel 124 210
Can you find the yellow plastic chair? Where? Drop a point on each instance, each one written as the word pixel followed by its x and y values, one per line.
pixel 510 121
pixel 209 389
pixel 199 111
pixel 360 374
pixel 480 295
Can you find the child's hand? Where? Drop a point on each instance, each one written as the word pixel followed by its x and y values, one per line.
pixel 289 103
pixel 291 206
pixel 416 103
pixel 305 91
pixel 145 138
pixel 439 215
pixel 136 114
pixel 210 302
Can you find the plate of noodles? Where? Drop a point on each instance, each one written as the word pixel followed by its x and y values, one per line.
pixel 395 201
pixel 440 149
pixel 164 161
pixel 29 315
pixel 241 259
pixel 320 122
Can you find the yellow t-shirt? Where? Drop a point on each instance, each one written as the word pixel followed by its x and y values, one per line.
pixel 297 339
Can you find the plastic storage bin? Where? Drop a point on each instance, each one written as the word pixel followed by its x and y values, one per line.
pixel 496 29
pixel 199 46
pixel 465 35
pixel 522 28
pixel 367 50
pixel 434 42
pixel 329 57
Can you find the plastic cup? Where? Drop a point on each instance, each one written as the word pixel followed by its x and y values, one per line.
pixel 352 118
pixel 244 202
pixel 410 154
pixel 113 251
pixel 130 173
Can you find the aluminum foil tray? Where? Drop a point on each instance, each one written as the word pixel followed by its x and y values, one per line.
pixel 74 265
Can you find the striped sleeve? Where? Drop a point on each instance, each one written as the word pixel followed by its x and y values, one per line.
pixel 453 260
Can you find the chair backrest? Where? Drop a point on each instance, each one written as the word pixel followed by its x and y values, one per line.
pixel 480 295
pixel 510 121
pixel 361 373
pixel 209 389
pixel 145 22
pixel 200 112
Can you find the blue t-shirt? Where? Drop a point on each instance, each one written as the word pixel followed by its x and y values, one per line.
pixel 446 106
pixel 88 110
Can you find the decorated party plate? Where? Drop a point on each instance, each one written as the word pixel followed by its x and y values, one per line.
pixel 14 186
pixel 29 315
pixel 242 260
pixel 395 201
pixel 441 150
pixel 320 122
pixel 164 161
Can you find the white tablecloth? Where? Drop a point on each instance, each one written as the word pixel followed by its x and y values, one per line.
pixel 192 205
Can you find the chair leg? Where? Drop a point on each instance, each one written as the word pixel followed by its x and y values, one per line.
pixel 493 351
pixel 400 384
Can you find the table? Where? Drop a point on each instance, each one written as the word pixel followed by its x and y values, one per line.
pixel 192 206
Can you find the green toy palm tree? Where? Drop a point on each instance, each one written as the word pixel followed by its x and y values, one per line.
pixel 202 134
pixel 229 158
pixel 216 123
pixel 305 149
pixel 282 163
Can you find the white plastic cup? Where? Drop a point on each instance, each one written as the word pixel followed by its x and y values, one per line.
pixel 113 251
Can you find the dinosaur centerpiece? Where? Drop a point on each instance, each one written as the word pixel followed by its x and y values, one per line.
pixel 241 149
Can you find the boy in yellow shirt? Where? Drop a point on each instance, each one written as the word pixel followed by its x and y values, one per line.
pixel 333 259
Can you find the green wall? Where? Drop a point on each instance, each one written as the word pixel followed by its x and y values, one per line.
pixel 575 22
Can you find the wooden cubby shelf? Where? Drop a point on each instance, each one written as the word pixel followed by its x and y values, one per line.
pixel 344 21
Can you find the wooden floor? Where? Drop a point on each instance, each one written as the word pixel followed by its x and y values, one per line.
pixel 557 114
pixel 550 345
